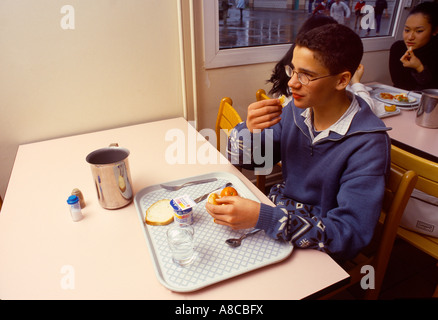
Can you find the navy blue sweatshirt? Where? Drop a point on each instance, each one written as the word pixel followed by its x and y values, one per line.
pixel 333 189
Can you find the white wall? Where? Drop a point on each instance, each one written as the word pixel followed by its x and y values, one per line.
pixel 119 66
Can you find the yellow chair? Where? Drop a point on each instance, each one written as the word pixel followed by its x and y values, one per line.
pixel 261 95
pixel 427 182
pixel 377 254
pixel 227 119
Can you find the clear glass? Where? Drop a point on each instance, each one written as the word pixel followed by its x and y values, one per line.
pixel 180 238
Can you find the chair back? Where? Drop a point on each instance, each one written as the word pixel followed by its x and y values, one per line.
pixel 427 182
pixel 426 170
pixel 227 119
pixel 397 193
pixel 261 95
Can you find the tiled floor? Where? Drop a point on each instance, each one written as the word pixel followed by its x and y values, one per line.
pixel 411 274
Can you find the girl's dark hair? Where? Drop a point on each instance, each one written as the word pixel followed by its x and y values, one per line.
pixel 336 46
pixel 429 10
pixel 279 79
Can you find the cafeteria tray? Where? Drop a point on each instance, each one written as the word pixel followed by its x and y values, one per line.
pixel 215 261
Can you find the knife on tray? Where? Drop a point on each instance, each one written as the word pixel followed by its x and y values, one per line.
pixel 203 197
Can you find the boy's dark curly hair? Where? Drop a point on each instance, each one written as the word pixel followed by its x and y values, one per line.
pixel 336 46
pixel 279 79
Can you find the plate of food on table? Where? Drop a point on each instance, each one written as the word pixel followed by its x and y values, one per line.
pixel 401 99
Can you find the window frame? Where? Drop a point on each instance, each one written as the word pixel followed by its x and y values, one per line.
pixel 216 58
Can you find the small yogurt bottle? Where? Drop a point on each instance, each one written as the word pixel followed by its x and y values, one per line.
pixel 183 208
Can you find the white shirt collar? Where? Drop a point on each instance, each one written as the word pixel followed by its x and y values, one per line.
pixel 340 127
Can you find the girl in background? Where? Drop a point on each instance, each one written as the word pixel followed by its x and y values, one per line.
pixel 413 62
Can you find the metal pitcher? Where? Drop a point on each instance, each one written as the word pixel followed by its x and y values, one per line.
pixel 427 113
pixel 112 177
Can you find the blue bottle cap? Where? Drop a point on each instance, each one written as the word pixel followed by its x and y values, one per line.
pixel 72 199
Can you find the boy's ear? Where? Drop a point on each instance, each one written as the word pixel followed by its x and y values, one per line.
pixel 343 80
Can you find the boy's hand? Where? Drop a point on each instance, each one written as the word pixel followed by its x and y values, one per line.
pixel 409 60
pixel 263 114
pixel 235 212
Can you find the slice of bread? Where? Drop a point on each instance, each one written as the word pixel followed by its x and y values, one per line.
pixel 159 213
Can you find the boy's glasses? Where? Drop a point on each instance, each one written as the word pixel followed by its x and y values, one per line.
pixel 302 77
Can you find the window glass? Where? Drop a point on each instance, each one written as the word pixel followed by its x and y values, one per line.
pixel 248 23
pixel 262 30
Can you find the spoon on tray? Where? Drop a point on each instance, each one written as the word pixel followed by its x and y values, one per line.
pixel 238 241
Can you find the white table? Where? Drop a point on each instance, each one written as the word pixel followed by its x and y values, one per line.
pixel 412 137
pixel 406 134
pixel 45 255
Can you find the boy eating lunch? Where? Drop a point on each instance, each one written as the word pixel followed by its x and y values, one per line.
pixel 335 152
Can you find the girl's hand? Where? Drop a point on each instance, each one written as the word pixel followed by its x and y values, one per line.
pixel 235 212
pixel 409 60
pixel 263 114
pixel 358 74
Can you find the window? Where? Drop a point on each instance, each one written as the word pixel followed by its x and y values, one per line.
pixel 264 29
